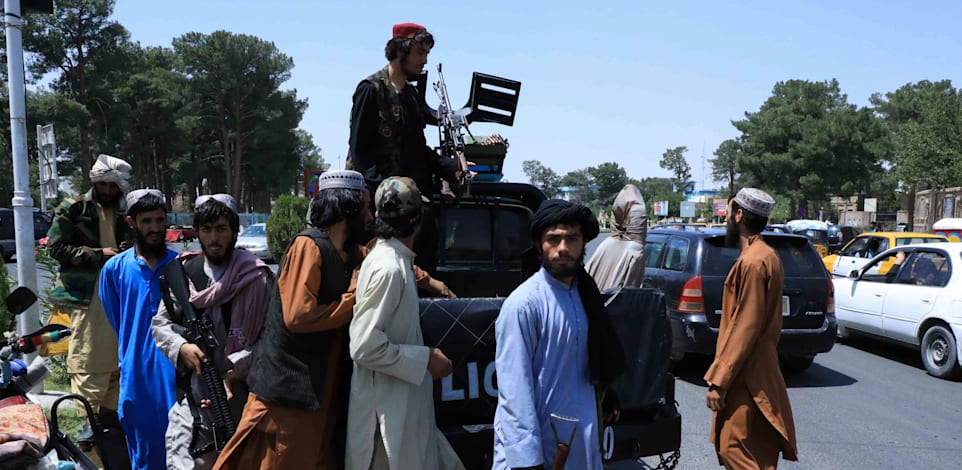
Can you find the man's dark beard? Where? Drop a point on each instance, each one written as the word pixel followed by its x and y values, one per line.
pixel 105 200
pixel 223 259
pixel 558 271
pixel 358 233
pixel 732 235
pixel 148 250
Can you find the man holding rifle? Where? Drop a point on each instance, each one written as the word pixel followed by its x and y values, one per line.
pixel 387 129
pixel 229 289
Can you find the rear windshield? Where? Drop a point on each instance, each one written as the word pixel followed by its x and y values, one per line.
pixel 799 259
pixel 816 236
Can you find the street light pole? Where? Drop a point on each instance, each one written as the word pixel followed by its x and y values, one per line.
pixel 28 321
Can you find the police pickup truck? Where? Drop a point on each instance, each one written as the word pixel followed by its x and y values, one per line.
pixel 479 257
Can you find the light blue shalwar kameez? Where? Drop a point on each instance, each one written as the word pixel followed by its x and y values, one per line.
pixel 542 368
pixel 130 292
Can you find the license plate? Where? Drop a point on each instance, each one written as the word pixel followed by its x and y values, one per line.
pixel 786 308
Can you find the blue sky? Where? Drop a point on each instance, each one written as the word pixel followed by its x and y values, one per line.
pixel 609 81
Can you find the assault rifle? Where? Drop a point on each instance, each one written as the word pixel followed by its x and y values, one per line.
pixel 451 138
pixel 199 330
pixel 493 99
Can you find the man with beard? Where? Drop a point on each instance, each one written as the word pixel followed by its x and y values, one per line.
pixel 752 415
pixel 391 413
pixel 130 292
pixel 387 129
pixel 86 232
pixel 555 351
pixel 232 287
pixel 301 372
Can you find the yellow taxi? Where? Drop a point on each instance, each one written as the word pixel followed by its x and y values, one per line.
pixel 865 246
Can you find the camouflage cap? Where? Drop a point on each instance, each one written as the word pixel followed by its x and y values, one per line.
pixel 398 197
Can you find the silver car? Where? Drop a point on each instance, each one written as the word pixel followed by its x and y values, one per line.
pixel 254 240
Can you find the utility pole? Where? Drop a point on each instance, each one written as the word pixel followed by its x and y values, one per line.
pixel 28 321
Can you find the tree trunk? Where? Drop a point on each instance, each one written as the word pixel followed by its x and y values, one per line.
pixel 910 227
pixel 86 160
pixel 228 168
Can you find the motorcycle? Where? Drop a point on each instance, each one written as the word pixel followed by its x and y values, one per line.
pixel 36 442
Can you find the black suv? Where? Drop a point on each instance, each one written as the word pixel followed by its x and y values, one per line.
pixel 8 242
pixel 690 268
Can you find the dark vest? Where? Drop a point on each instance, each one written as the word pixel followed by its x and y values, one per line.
pixel 289 368
pixel 390 125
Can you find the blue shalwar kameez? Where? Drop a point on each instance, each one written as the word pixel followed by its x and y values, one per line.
pixel 542 367
pixel 130 292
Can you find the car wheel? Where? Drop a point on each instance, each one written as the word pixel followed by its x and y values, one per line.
pixel 795 363
pixel 940 353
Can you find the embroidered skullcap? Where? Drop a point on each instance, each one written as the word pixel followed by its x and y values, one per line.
pixel 341 179
pixel 407 30
pixel 109 169
pixel 755 201
pixel 225 199
pixel 559 212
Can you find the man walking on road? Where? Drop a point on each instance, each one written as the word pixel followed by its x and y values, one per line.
pixel 752 420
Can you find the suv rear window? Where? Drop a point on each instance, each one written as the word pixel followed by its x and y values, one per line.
pixel 799 259
pixel 475 233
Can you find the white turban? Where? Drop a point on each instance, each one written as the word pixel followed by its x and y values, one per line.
pixel 109 169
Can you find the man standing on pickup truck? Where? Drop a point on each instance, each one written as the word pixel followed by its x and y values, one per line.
pixel 387 129
pixel 752 414
pixel 620 260
pixel 391 420
pixel 555 350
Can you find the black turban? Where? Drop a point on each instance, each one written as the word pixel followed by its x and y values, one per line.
pixel 555 212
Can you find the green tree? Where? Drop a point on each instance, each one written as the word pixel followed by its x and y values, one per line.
pixel 674 161
pixel 923 121
pixel 86 47
pixel 806 142
pixel 237 78
pixel 581 184
pixel 609 178
pixel 287 219
pixel 656 189
pixel 542 177
pixel 310 157
pixel 724 167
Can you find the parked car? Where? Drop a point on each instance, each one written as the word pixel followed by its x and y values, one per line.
pixel 866 245
pixel 254 240
pixel 917 305
pixel 690 268
pixel 8 240
pixel 839 235
pixel 180 233
pixel 815 230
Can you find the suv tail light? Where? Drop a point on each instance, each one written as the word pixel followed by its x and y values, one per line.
pixel 692 300
pixel 830 304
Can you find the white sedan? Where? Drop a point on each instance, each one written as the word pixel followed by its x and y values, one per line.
pixel 919 304
pixel 254 240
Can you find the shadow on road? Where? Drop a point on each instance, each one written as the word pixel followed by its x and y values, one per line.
pixel 693 368
pixel 817 375
pixel 892 352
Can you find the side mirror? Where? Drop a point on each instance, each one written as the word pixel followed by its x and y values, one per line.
pixel 20 300
pixel 853 274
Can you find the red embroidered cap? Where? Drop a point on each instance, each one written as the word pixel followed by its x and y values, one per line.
pixel 407 30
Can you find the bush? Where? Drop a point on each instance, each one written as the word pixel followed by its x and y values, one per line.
pixel 288 218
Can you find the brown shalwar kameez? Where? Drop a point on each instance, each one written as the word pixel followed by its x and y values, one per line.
pixel 271 436
pixel 756 422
